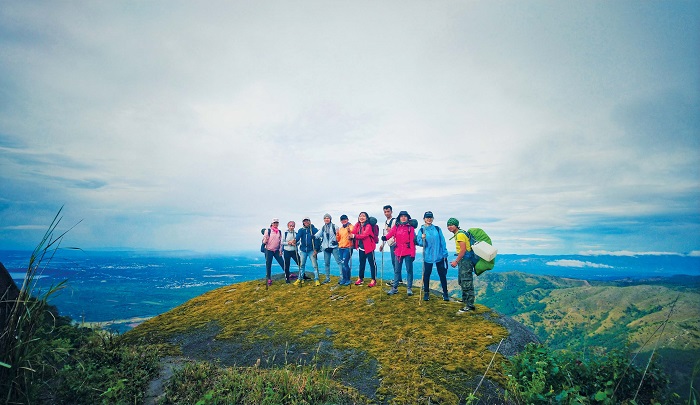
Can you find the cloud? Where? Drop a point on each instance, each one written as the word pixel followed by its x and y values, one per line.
pixel 628 253
pixel 555 127
pixel 577 264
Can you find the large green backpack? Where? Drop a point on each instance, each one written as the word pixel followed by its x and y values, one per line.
pixel 478 235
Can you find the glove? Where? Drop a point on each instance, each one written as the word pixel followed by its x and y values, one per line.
pixel 383 238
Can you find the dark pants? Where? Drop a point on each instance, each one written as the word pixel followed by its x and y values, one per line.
pixel 269 254
pixel 364 258
pixel 442 273
pixel 289 255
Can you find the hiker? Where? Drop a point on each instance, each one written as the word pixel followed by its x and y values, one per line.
pixel 329 244
pixel 365 242
pixel 405 250
pixel 388 224
pixel 272 239
pixel 465 275
pixel 289 243
pixel 432 241
pixel 308 247
pixel 345 248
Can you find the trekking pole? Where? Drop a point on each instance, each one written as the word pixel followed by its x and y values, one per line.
pixel 266 253
pixel 422 271
pixel 382 249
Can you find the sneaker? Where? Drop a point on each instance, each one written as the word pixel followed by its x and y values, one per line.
pixel 389 283
pixel 426 296
pixel 358 282
pixel 299 282
pixel 445 297
pixel 409 292
pixel 306 277
pixel 326 281
pixel 372 283
pixel 287 281
pixel 269 282
pixel 466 309
pixel 346 283
pixel 318 283
pixel 392 291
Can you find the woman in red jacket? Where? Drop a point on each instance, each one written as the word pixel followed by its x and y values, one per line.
pixel 405 235
pixel 365 243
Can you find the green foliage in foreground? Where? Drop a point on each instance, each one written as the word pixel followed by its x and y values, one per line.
pixel 541 376
pixel 204 383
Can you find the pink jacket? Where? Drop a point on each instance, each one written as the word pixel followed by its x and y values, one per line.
pixel 405 240
pixel 273 240
pixel 364 233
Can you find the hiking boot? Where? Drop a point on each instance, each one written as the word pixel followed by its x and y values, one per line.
pixel 466 309
pixel 346 283
pixel 286 280
pixel 409 292
pixel 389 284
pixel 318 283
pixel 299 282
pixel 445 297
pixel 392 291
pixel 269 282
pixel 372 283
pixel 307 277
pixel 426 296
pixel 358 282
pixel 326 281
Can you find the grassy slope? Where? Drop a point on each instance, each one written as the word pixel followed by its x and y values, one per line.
pixel 579 315
pixel 421 350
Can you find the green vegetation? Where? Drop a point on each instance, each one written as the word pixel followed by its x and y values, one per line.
pixel 577 315
pixel 205 383
pixel 541 376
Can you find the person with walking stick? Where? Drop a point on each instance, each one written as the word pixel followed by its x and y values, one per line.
pixel 405 236
pixel 431 239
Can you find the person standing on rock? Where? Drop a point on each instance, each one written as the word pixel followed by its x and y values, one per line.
pixel 289 243
pixel 308 247
pixel 329 244
pixel 465 274
pixel 405 235
pixel 365 243
pixel 432 241
pixel 345 248
pixel 272 239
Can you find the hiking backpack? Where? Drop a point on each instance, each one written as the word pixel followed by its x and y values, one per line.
pixel 375 228
pixel 481 246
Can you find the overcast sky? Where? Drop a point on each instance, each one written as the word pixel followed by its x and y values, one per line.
pixel 557 126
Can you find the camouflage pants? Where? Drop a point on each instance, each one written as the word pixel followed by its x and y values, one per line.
pixel 465 277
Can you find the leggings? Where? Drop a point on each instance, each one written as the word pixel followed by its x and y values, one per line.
pixel 364 258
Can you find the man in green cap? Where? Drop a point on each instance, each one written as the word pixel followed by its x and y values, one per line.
pixel 465 275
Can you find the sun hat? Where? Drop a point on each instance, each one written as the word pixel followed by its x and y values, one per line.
pixel 404 213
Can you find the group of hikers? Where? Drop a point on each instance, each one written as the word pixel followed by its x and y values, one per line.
pixel 401 234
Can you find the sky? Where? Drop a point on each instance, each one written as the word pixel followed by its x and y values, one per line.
pixel 559 127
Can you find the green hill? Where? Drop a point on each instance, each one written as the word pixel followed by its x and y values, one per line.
pixel 390 348
pixel 581 315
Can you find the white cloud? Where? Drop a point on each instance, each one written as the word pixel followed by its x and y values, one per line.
pixel 181 126
pixel 577 264
pixel 626 253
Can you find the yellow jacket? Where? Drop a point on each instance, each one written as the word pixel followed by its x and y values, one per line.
pixel 343 235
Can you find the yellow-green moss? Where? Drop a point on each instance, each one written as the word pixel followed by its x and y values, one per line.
pixel 425 350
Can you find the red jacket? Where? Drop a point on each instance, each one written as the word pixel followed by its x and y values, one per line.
pixel 364 233
pixel 405 237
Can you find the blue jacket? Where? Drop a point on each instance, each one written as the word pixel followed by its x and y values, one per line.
pixel 306 240
pixel 436 247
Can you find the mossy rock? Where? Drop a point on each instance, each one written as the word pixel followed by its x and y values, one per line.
pixel 392 349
